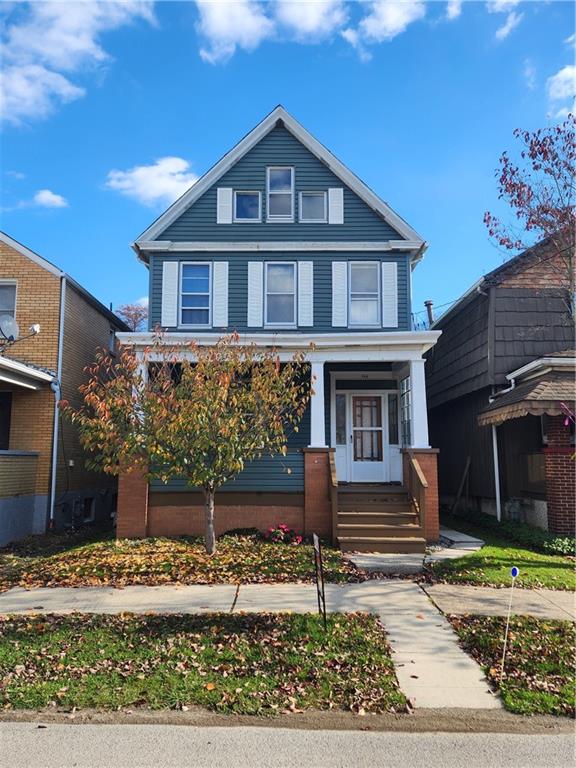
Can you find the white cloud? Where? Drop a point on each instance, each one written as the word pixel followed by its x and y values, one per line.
pixel 453 9
pixel 18 175
pixel 143 302
pixel 44 43
pixel 162 182
pixel 226 26
pixel 512 21
pixel 45 198
pixel 562 85
pixel 385 20
pixel 311 19
pixel 570 40
pixel 501 6
pixel 529 72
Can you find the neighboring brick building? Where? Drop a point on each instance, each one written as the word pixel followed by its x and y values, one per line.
pixel 501 380
pixel 35 489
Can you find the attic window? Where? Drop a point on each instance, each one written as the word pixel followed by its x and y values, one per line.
pixel 246 206
pixel 313 207
pixel 280 187
pixel 8 298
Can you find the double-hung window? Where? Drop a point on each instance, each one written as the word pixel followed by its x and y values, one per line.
pixel 246 207
pixel 195 294
pixel 280 197
pixel 8 298
pixel 313 208
pixel 364 299
pixel 280 294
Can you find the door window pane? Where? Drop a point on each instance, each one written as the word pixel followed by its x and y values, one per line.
pixel 195 294
pixel 340 419
pixel 393 419
pixel 368 445
pixel 406 410
pixel 367 411
pixel 281 294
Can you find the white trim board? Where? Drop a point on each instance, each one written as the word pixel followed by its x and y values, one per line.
pixel 245 145
pixel 170 246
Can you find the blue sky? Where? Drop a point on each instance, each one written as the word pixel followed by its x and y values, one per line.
pixel 113 109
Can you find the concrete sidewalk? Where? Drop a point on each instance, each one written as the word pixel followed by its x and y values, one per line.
pixel 489 601
pixel 432 669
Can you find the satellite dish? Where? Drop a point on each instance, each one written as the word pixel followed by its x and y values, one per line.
pixel 8 328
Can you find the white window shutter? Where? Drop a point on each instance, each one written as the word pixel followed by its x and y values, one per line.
pixel 169 314
pixel 305 293
pixel 336 205
pixel 255 294
pixel 220 294
pixel 339 294
pixel 224 205
pixel 389 294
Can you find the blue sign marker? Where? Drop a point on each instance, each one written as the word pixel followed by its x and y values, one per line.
pixel 514 572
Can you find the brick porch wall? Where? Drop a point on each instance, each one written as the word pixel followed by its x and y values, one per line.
pixel 560 478
pixel 317 503
pixel 185 520
pixel 428 460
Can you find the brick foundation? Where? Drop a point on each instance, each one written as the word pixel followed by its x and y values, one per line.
pixel 317 504
pixel 132 515
pixel 560 478
pixel 428 460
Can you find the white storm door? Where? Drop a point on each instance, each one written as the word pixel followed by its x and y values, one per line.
pixel 394 452
pixel 342 431
pixel 368 454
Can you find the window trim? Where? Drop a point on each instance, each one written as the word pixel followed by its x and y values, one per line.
pixel 272 219
pixel 237 220
pixel 378 323
pixel 181 292
pixel 303 192
pixel 293 324
pixel 14 282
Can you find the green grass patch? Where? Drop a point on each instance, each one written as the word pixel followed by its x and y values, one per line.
pixel 239 559
pixel 539 676
pixel 490 566
pixel 245 663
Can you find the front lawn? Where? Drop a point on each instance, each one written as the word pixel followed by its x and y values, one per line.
pixel 243 663
pixel 490 566
pixel 239 559
pixel 539 675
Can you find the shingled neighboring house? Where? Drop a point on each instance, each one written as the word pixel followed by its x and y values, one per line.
pixel 284 244
pixel 43 477
pixel 498 381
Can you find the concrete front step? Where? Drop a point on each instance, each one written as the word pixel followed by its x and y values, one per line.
pixel 391 544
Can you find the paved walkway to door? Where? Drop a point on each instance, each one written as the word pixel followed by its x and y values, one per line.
pixel 432 669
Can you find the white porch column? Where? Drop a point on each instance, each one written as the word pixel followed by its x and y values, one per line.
pixel 317 413
pixel 419 411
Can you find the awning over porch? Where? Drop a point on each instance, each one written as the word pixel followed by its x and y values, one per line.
pixel 23 374
pixel 542 395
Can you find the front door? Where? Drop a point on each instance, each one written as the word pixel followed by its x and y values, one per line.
pixel 367 443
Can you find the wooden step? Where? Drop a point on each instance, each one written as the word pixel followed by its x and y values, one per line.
pixel 383 544
pixel 385 518
pixel 378 530
pixel 384 509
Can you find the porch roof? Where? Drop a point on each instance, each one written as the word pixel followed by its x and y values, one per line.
pixel 23 374
pixel 539 396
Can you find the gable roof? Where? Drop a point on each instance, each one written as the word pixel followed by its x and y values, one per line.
pixel 57 272
pixel 279 115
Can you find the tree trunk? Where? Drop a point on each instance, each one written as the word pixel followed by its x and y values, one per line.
pixel 209 537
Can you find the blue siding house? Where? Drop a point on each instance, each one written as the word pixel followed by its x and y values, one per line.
pixel 282 243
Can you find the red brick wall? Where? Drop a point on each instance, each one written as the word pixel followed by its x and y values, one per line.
pixel 317 504
pixel 428 460
pixel 132 514
pixel 560 478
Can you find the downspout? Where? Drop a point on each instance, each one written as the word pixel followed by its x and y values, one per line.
pixel 495 454
pixel 56 388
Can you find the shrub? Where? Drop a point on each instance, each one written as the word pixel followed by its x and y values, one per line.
pixel 282 534
pixel 522 533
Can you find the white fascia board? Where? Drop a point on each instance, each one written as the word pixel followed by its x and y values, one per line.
pixel 542 365
pixel 21 369
pixel 36 258
pixel 169 246
pixel 245 145
pixel 386 346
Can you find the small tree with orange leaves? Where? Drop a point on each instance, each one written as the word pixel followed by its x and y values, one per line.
pixel 201 412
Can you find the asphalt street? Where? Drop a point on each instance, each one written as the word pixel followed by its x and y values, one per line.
pixel 26 745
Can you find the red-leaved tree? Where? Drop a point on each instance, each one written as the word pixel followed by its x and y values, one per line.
pixel 134 315
pixel 540 190
pixel 193 412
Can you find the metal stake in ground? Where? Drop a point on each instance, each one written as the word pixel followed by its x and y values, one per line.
pixel 514 572
pixel 319 567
